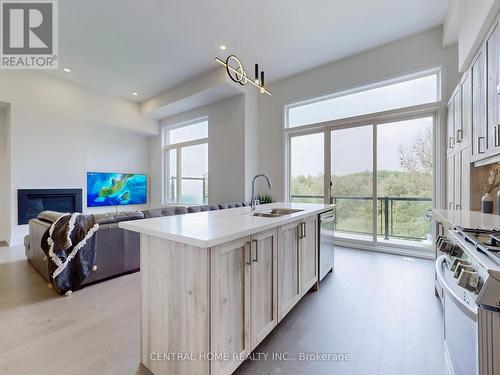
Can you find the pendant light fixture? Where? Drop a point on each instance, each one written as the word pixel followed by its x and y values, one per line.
pixel 234 67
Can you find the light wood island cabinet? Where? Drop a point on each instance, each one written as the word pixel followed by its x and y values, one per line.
pixel 212 298
pixel 230 303
pixel 289 291
pixel 264 284
pixel 309 254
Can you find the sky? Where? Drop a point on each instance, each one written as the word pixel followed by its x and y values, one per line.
pixel 399 95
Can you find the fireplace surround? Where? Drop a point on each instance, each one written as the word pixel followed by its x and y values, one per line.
pixel 30 202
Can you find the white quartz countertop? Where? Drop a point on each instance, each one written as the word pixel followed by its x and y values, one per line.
pixel 466 219
pixel 211 228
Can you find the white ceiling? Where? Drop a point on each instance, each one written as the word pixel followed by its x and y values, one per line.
pixel 121 46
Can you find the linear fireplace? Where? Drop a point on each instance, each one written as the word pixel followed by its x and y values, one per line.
pixel 30 202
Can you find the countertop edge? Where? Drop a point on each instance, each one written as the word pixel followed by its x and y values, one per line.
pixel 441 219
pixel 132 226
pixel 466 219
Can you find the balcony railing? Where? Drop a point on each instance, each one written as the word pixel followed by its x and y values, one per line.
pixel 387 212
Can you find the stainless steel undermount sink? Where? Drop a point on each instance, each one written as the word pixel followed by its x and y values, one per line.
pixel 277 212
pixel 264 214
pixel 284 211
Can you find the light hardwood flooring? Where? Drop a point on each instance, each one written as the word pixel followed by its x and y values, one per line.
pixel 379 308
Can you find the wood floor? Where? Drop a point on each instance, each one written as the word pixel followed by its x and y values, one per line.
pixel 379 308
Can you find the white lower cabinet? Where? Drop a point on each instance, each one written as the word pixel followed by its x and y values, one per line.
pixel 450 182
pixel 255 281
pixel 458 180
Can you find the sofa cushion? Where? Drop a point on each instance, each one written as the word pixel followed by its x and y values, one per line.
pixel 224 206
pixel 208 207
pixel 165 211
pixel 50 216
pixel 116 217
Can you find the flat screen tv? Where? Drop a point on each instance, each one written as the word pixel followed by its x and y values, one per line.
pixel 116 189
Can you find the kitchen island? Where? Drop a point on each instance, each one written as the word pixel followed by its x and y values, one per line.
pixel 215 284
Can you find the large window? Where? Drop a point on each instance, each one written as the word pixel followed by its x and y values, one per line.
pixel 384 97
pixel 307 168
pixel 378 170
pixel 185 150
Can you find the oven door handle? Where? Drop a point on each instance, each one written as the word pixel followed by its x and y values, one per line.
pixel 466 309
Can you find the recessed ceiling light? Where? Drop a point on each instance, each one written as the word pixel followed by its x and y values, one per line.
pixel 223 47
pixel 67 70
pixel 135 93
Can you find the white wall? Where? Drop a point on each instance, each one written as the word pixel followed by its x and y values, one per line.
pixel 59 131
pixel 226 150
pixel 419 52
pixel 4 178
pixel 252 97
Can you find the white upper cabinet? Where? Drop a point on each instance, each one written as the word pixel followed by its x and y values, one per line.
pixel 492 66
pixel 478 106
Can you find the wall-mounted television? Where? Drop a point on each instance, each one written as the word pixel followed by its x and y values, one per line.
pixel 116 189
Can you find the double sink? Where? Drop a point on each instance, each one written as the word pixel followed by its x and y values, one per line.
pixel 276 212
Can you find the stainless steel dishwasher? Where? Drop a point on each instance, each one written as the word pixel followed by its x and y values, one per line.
pixel 326 247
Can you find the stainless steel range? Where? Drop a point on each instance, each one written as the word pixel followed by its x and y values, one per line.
pixel 468 283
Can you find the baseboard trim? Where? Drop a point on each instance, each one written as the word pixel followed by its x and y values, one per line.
pixel 14 241
pixel 84 285
pixel 423 254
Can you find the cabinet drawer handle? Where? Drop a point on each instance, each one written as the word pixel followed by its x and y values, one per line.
pixel 458 207
pixel 301 230
pixel 460 135
pixel 497 133
pixel 305 232
pixel 480 140
pixel 256 259
pixel 450 142
pixel 248 248
pixel 450 205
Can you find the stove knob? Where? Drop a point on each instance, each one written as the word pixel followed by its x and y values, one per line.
pixel 456 252
pixel 446 246
pixel 462 267
pixel 439 240
pixel 469 280
pixel 474 284
pixel 463 278
pixel 456 262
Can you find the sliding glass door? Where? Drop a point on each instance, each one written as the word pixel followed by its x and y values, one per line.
pixel 404 180
pixel 379 175
pixel 352 181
